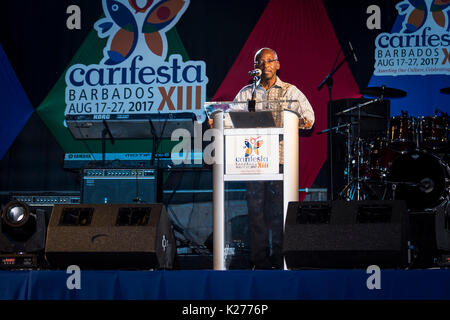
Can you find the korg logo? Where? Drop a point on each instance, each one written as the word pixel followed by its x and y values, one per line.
pixel 102 116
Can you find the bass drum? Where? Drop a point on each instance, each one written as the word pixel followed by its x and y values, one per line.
pixel 420 178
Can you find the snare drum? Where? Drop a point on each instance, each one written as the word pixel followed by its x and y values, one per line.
pixel 434 132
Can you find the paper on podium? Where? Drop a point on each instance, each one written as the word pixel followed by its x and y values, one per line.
pixel 258 119
pixel 213 107
pixel 250 120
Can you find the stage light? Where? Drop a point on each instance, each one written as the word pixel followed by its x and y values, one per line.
pixel 15 214
pixel 18 221
pixel 22 236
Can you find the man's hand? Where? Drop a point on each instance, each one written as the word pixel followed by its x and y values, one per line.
pixel 210 122
pixel 305 124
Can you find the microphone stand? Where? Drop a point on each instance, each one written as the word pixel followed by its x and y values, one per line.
pixel 329 82
pixel 252 102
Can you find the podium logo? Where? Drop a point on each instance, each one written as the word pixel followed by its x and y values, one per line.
pixel 252 145
pixel 254 156
pixel 136 74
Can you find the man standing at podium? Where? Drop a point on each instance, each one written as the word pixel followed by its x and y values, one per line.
pixel 265 198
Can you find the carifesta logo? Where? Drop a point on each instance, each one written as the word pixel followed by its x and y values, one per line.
pixel 255 154
pixel 418 11
pixel 252 145
pixel 421 45
pixel 135 75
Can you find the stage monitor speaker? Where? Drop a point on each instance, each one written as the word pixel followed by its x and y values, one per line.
pixel 110 236
pixel 119 185
pixel 340 234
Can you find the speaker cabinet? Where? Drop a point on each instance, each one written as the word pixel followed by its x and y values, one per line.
pixel 109 236
pixel 442 219
pixel 340 234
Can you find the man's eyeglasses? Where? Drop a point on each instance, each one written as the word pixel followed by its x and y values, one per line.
pixel 263 62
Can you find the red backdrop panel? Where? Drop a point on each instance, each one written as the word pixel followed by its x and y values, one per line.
pixel 302 35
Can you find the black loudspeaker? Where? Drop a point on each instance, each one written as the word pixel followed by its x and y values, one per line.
pixel 113 185
pixel 340 234
pixel 442 219
pixel 109 236
pixel 423 234
pixel 374 123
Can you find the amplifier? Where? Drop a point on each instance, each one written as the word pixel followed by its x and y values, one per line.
pixel 133 160
pixel 119 185
pixel 46 200
pixel 13 261
pixel 40 200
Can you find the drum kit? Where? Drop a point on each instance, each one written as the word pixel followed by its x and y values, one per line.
pixel 410 161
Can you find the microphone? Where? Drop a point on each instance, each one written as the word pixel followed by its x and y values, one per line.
pixel 352 51
pixel 255 73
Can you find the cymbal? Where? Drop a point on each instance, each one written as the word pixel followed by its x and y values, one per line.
pixel 445 90
pixel 383 91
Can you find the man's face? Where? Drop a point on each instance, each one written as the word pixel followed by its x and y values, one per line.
pixel 268 65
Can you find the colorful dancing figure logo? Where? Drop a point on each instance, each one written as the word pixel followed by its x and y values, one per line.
pixel 419 11
pixel 148 25
pixel 137 73
pixel 252 145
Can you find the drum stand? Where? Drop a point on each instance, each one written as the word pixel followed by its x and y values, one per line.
pixel 348 138
pixel 349 190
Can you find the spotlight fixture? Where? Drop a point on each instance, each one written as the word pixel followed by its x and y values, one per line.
pixel 18 221
pixel 22 236
pixel 16 213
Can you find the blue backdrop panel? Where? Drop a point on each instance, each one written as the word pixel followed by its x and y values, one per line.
pixel 432 284
pixel 423 91
pixel 15 108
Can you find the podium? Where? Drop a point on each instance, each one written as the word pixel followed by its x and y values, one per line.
pixel 238 135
